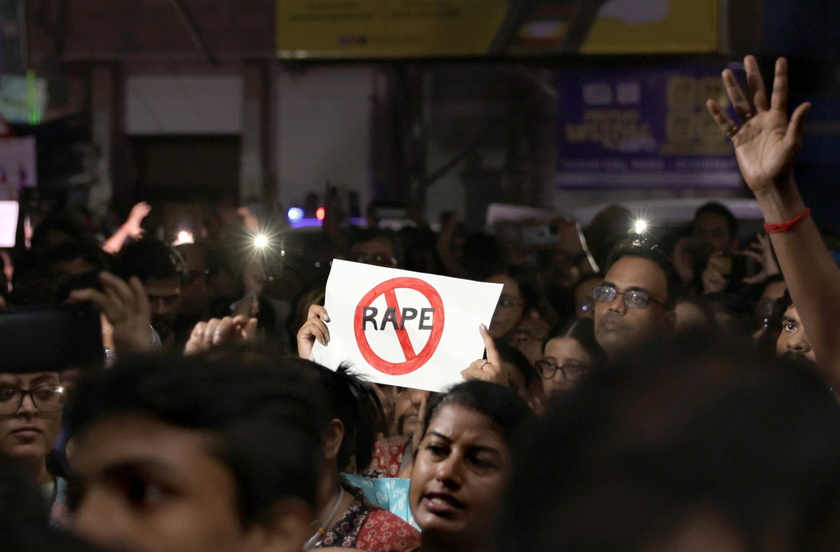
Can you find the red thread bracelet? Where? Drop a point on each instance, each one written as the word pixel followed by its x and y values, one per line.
pixel 782 227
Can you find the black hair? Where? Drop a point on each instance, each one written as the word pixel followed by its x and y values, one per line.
pixel 481 253
pixel 502 406
pixel 606 230
pixel 706 306
pixel 40 235
pixel 526 280
pixel 150 259
pixel 355 403
pixel 773 278
pixel 585 277
pixel 79 243
pixel 265 415
pixel 582 330
pixel 653 254
pixel 89 279
pixel 786 301
pixel 369 234
pixel 694 425
pixel 509 353
pixel 720 210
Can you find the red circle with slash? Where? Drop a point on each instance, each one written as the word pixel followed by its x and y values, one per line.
pixel 413 360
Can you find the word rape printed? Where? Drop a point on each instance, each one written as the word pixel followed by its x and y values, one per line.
pixel 404 328
pixel 397 320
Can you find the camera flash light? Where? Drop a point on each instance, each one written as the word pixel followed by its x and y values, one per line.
pixel 640 226
pixel 260 241
pixel 184 237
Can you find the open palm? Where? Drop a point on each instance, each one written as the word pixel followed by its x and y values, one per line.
pixel 767 143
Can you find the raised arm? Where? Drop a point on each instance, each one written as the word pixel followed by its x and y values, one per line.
pixel 131 228
pixel 767 143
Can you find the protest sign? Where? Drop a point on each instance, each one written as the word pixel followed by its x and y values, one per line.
pixel 405 328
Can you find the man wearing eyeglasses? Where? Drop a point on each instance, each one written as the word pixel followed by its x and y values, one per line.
pixel 162 272
pixel 635 303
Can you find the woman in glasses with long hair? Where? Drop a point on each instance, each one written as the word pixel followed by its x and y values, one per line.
pixel 568 355
pixel 30 420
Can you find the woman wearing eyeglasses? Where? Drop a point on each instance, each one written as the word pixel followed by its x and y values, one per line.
pixel 569 355
pixel 30 419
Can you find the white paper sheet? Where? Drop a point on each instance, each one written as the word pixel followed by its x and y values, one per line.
pixel 405 328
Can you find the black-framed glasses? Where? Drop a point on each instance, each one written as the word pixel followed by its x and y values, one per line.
pixel 571 371
pixel 47 398
pixel 633 298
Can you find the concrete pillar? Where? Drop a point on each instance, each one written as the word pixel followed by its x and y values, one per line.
pixel 103 111
pixel 252 168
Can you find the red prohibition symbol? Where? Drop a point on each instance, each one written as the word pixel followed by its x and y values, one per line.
pixel 413 360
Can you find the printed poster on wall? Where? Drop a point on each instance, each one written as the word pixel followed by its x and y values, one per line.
pixel 642 127
pixel 399 327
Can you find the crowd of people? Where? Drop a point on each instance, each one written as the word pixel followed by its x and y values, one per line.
pixel 637 392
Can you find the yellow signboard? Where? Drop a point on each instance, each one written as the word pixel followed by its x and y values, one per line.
pixel 433 28
pixel 387 28
pixel 654 27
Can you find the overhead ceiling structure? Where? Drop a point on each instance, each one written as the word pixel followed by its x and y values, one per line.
pixel 89 30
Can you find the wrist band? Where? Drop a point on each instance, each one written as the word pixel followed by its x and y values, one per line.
pixel 782 227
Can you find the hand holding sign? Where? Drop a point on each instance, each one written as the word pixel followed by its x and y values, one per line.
pixel 314 329
pixel 398 327
pixel 490 369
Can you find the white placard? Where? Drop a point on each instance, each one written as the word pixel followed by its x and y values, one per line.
pixel 405 328
pixel 8 222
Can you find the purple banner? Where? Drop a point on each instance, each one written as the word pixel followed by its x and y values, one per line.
pixel 643 127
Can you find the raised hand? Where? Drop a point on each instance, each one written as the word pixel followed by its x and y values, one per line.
pixel 489 369
pixel 762 251
pixel 126 307
pixel 766 146
pixel 131 228
pixel 217 331
pixel 766 142
pixel 714 279
pixel 135 219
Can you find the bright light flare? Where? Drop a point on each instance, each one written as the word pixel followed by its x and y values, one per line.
pixel 260 241
pixel 640 226
pixel 184 237
pixel 320 213
pixel 294 214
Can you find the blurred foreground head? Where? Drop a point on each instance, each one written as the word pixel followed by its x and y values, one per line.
pixel 204 453
pixel 24 522
pixel 691 446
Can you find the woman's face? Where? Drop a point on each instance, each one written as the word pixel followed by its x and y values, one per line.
pixel 510 308
pixel 459 472
pixel 27 432
pixel 563 352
